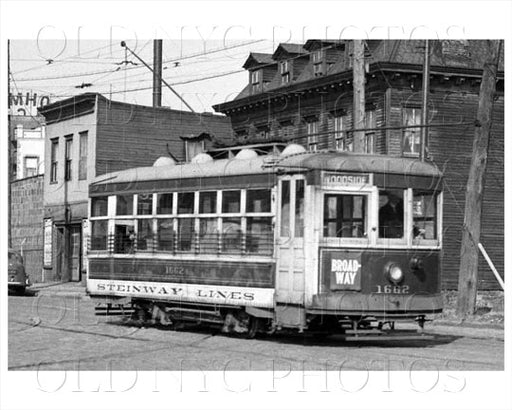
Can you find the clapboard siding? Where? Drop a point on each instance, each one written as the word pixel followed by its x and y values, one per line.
pixel 452 113
pixel 133 136
pixel 451 149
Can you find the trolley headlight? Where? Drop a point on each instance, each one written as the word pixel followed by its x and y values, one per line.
pixel 394 273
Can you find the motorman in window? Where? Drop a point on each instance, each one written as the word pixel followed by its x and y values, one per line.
pixel 391 216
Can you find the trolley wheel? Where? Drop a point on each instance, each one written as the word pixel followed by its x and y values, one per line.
pixel 253 328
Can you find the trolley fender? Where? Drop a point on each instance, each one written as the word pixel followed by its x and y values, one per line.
pixel 257 312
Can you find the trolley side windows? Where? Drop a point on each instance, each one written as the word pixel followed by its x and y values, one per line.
pixel 259 235
pixel 185 234
pixel 232 235
pixel 424 214
pixel 124 204
pixel 391 214
pixel 99 235
pixel 208 239
pixel 258 200
pixel 124 236
pixel 208 202
pixel 345 216
pixel 285 209
pixel 144 204
pixel 164 203
pixel 231 202
pixel 186 202
pixel 99 206
pixel 299 208
pixel 144 235
pixel 165 236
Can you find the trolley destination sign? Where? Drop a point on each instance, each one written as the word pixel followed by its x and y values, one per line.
pixel 338 179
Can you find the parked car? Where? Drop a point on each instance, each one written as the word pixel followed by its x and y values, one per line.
pixel 18 278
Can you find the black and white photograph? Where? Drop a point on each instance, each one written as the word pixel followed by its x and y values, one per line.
pixel 205 208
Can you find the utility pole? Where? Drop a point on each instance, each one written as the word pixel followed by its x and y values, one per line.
pixel 424 105
pixel 9 143
pixel 359 100
pixel 157 73
pixel 468 271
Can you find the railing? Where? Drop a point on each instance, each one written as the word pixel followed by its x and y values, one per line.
pixel 192 243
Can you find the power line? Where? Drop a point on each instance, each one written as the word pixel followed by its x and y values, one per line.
pixel 150 87
pixel 83 74
pixel 64 60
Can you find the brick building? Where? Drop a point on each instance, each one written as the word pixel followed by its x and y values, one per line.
pixel 27 223
pixel 89 135
pixel 304 93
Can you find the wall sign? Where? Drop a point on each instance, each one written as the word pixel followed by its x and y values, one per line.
pixel 85 241
pixel 343 268
pixel 47 245
pixel 26 103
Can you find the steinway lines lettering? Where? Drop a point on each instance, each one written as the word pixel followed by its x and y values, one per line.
pixel 142 289
pixel 174 291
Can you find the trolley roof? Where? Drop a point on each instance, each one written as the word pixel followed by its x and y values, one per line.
pixel 262 169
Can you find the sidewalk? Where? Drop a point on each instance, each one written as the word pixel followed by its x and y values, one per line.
pixel 66 289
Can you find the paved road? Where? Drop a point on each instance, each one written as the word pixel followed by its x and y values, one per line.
pixel 62 333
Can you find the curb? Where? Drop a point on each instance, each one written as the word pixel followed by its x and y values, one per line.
pixel 468 325
pixel 467 331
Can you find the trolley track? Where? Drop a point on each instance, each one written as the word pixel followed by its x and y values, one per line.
pixel 256 350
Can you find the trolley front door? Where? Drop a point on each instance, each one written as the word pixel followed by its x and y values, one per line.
pixel 290 254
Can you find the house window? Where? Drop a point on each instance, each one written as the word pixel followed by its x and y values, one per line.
pixel 312 133
pixel 255 80
pixel 411 136
pixel 54 162
pixel 285 72
pixel 82 160
pixel 318 62
pixel 263 132
pixel 341 138
pixel 30 165
pixel 68 158
pixel 193 148
pixel 369 134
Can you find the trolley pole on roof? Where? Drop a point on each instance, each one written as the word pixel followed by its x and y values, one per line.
pixel 359 95
pixel 468 270
pixel 424 105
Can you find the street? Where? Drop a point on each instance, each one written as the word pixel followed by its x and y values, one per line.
pixel 54 332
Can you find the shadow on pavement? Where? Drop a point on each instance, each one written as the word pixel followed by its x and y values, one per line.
pixel 293 338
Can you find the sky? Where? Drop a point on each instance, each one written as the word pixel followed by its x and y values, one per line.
pixel 204 73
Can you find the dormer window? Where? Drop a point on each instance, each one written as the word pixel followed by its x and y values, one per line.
pixel 284 69
pixel 255 80
pixel 318 62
